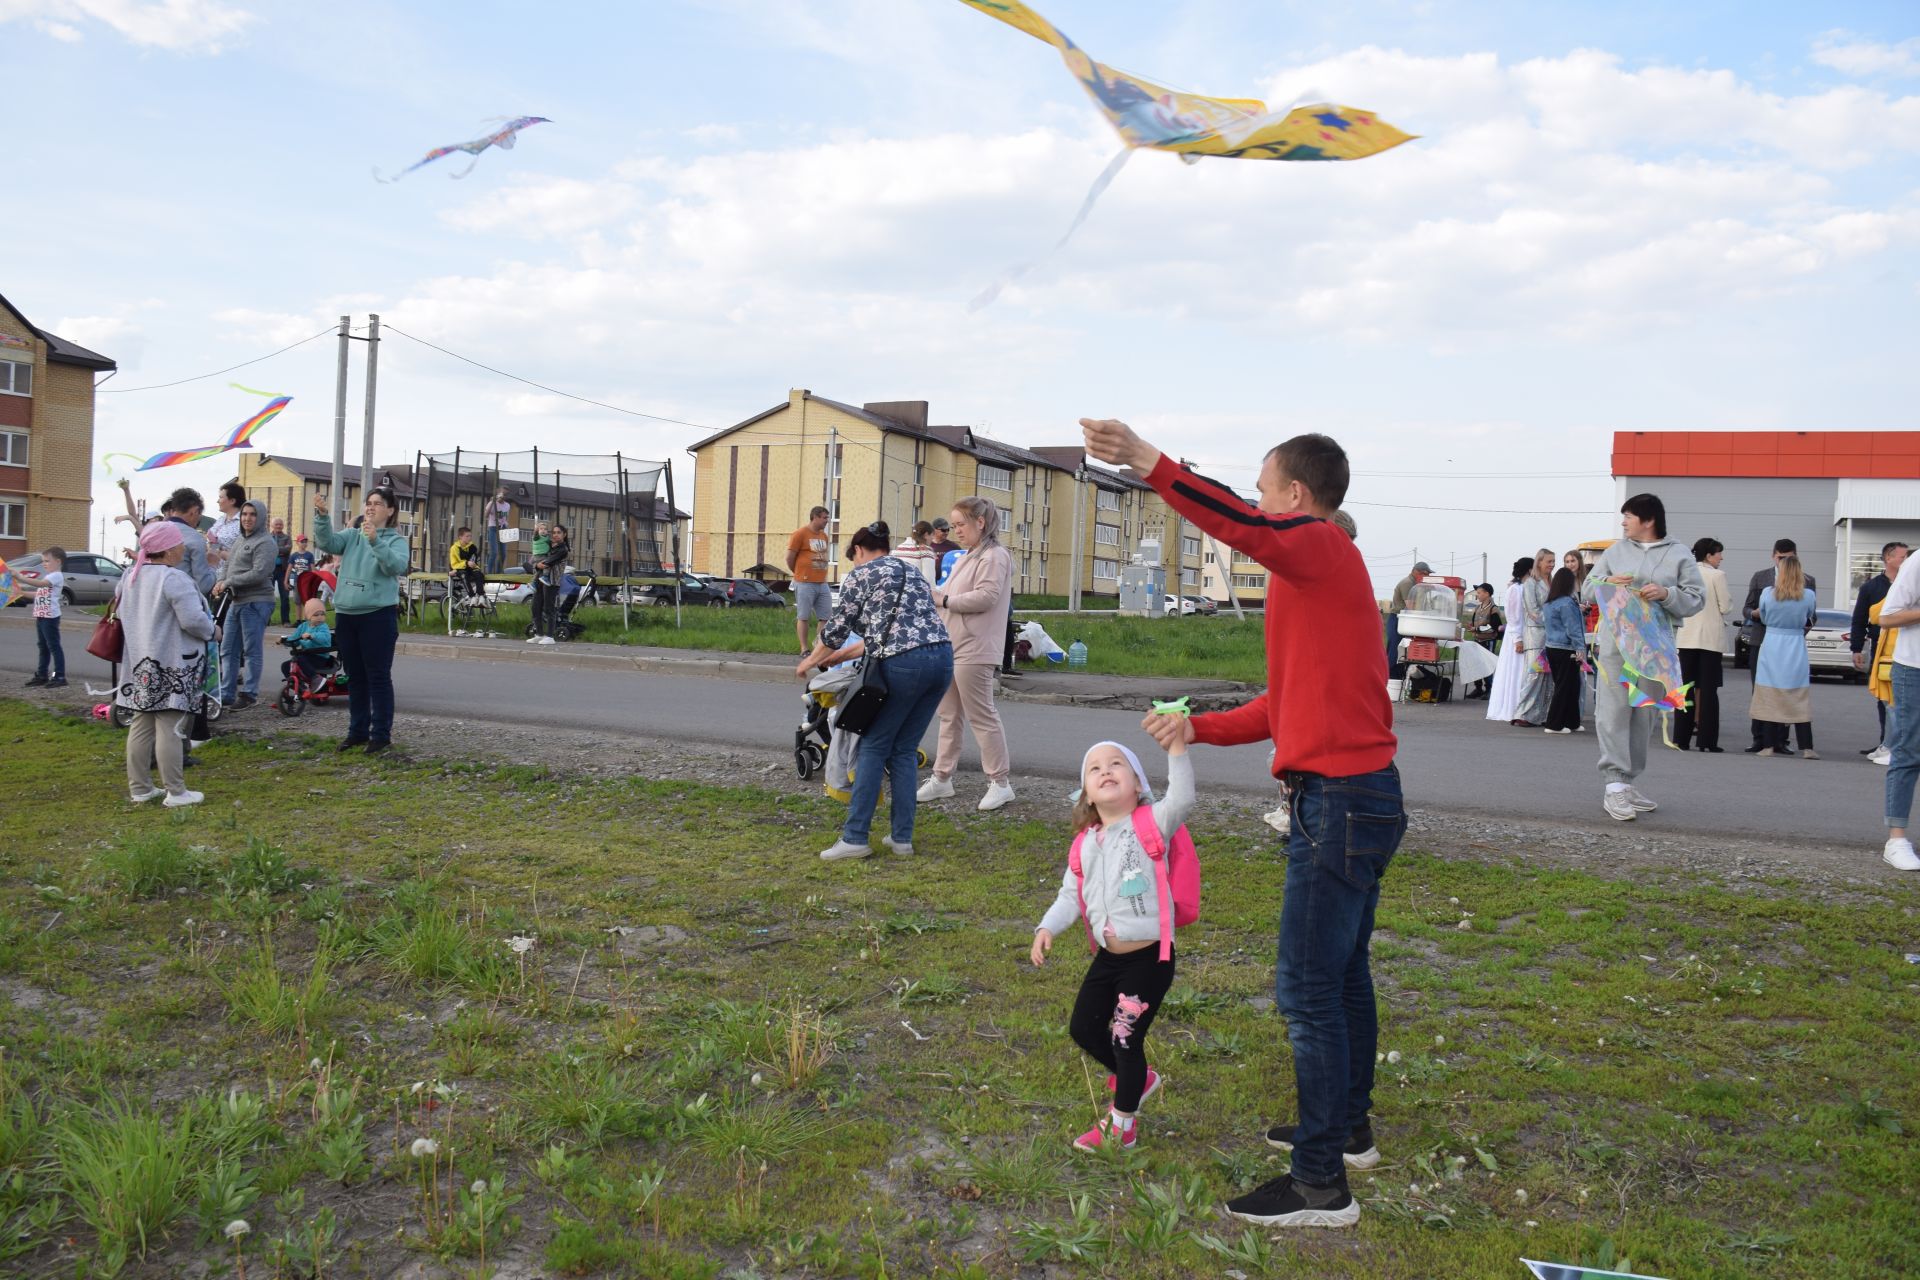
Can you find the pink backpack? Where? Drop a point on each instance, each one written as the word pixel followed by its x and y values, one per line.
pixel 1176 875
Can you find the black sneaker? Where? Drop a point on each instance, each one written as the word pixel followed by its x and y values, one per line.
pixel 245 700
pixel 1286 1202
pixel 1359 1153
pixel 58 682
pixel 376 748
pixel 36 682
pixel 348 744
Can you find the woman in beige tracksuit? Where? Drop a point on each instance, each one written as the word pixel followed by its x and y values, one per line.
pixel 975 602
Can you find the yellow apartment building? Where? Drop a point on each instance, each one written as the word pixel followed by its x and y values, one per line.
pixel 46 437
pixel 755 482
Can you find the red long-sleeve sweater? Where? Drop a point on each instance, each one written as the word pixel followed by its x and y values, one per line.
pixel 1326 705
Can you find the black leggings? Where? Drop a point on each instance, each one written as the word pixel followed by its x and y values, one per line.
pixel 543 600
pixel 1118 1000
pixel 1564 711
pixel 1774 734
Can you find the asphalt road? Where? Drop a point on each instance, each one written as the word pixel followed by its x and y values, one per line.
pixel 1451 757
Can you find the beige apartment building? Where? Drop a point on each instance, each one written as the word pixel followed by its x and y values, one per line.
pixel 46 437
pixel 755 482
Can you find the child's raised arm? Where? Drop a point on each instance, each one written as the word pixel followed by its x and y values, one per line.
pixel 1171 810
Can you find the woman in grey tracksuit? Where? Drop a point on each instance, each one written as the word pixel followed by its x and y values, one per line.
pixel 1662 572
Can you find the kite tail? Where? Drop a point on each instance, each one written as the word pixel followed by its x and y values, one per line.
pixel 469 169
pixel 104 460
pixel 986 296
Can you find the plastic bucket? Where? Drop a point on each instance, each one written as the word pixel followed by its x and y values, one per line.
pixel 1393 690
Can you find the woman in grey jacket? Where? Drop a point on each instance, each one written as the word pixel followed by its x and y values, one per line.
pixel 1660 571
pixel 246 579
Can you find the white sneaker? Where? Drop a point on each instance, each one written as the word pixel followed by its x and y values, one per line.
pixel 1619 805
pixel 935 788
pixel 1280 820
pixel 841 849
pixel 902 847
pixel 998 793
pixel 1639 801
pixel 533 639
pixel 1880 755
pixel 182 800
pixel 546 639
pixel 1900 856
pixel 141 797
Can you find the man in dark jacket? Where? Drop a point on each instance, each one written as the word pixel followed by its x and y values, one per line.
pixel 283 547
pixel 1753 631
pixel 1863 637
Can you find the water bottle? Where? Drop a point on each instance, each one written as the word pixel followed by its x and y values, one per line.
pixel 1077 655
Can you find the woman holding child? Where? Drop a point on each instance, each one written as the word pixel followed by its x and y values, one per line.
pixel 888 603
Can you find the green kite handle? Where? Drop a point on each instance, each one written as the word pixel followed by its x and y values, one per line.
pixel 1176 707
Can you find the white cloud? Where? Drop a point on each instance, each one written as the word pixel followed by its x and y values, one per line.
pixel 1851 55
pixel 179 25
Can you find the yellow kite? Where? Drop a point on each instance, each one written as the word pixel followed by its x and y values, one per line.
pixel 1192 125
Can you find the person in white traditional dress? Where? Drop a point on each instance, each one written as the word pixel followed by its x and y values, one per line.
pixel 1508 676
pixel 1536 683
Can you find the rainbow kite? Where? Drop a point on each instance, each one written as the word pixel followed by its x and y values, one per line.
pixel 502 138
pixel 1649 656
pixel 239 438
pixel 10 587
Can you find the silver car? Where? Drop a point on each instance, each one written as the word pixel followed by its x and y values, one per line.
pixel 91 579
pixel 1829 651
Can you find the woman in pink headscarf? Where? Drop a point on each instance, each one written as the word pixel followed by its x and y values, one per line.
pixel 163 670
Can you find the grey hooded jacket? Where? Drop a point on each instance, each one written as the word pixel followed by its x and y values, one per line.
pixel 1665 563
pixel 248 568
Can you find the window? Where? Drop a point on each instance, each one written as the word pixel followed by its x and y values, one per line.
pixel 16 378
pixel 1103 500
pixel 994 478
pixel 1189 577
pixel 1251 581
pixel 1189 546
pixel 13 519
pixel 1006 518
pixel 1105 535
pixel 1106 570
pixel 13 449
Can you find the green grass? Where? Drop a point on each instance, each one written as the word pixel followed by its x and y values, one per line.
pixel 1216 648
pixel 1712 1078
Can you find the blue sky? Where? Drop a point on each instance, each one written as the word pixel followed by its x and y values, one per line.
pixel 1617 217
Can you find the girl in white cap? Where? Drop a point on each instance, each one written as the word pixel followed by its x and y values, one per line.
pixel 1115 885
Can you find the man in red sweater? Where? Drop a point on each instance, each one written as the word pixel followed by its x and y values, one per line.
pixel 1326 711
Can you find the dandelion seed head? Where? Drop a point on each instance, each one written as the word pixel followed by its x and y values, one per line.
pixel 1393 1056
pixel 1520 1194
pixel 424 1147
pixel 237 1228
pixel 1438 1041
pixel 479 1187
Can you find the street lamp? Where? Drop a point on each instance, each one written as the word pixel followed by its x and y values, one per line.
pixel 897 486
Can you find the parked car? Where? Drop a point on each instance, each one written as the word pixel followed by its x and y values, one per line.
pixel 1829 647
pixel 694 590
pixel 91 579
pixel 1202 605
pixel 752 593
pixel 1177 606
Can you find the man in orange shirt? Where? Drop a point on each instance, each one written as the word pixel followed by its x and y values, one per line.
pixel 807 562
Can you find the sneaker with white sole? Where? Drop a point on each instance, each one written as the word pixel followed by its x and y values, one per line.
pixel 1880 755
pixel 181 799
pixel 533 639
pixel 1152 1087
pixel 1280 820
pixel 902 847
pixel 998 794
pixel 1288 1202
pixel 1640 802
pixel 141 797
pixel 840 849
pixel 1619 806
pixel 1900 856
pixel 1098 1136
pixel 1358 1153
pixel 546 639
pixel 935 788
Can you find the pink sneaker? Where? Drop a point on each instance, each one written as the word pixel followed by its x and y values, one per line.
pixel 1153 1084
pixel 1094 1138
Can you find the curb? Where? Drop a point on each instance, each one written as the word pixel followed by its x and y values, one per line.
pixel 709 668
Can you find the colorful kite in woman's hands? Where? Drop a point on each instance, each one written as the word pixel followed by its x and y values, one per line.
pixel 239 438
pixel 1190 125
pixel 503 139
pixel 1649 652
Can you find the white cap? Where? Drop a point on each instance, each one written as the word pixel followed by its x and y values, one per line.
pixel 1140 774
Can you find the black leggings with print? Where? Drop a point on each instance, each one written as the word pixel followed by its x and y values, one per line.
pixel 1118 1000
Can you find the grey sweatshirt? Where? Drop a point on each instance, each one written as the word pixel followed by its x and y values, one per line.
pixel 1117 876
pixel 1664 562
pixel 248 568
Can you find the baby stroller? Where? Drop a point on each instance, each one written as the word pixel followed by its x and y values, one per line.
pixel 328 681
pixel 815 744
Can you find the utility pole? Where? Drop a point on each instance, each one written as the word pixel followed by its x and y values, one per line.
pixel 366 443
pixel 1079 497
pixel 1224 556
pixel 337 489
pixel 826 496
pixel 1483 566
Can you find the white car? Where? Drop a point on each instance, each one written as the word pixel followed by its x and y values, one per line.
pixel 1177 605
pixel 1829 652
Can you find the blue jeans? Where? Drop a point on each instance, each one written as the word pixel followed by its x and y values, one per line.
pixel 495 554
pixel 1903 739
pixel 1345 831
pixel 53 659
pixel 364 643
pixel 245 633
pixel 916 681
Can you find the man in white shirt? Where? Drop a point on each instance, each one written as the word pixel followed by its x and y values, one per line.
pixel 1902 610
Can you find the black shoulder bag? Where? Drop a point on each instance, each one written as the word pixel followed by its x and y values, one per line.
pixel 862 706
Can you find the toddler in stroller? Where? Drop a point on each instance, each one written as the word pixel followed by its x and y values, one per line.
pixel 817 744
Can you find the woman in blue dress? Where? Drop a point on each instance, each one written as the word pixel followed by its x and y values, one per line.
pixel 1782 677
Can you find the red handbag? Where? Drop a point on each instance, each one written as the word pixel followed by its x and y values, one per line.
pixel 109 639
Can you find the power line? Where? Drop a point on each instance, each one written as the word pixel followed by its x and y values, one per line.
pixel 554 391
pixel 201 377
